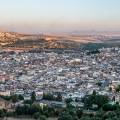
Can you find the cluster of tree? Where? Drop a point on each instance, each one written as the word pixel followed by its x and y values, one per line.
pixel 93 52
pixel 117 89
pixel 5 113
pixel 102 115
pixel 95 46
pixel 33 110
pixel 106 112
pixel 36 111
pixel 33 96
pixel 49 96
pixel 68 100
pixel 13 98
pixel 2 113
pixel 70 113
pixel 94 99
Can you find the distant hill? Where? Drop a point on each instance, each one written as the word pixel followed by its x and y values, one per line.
pixel 11 40
pixel 17 40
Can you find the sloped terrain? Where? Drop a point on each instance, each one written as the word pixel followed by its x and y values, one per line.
pixel 26 41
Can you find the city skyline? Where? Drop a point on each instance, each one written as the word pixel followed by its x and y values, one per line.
pixel 36 16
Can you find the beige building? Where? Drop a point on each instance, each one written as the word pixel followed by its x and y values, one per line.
pixel 5 104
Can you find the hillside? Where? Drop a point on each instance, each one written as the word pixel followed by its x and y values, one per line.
pixel 15 40
pixel 27 41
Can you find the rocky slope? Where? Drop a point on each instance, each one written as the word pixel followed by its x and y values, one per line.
pixel 11 40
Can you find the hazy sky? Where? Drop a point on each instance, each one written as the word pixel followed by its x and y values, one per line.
pixel 59 15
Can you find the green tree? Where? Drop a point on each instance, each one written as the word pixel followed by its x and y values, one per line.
pixel 33 96
pixel 117 88
pixel 34 109
pixel 99 113
pixel 86 118
pixel 109 107
pixel 28 102
pixel 2 113
pixel 100 100
pixel 109 115
pixel 20 97
pixel 42 117
pixel 65 116
pixel 8 98
pixel 94 93
pixel 26 109
pixel 48 96
pixel 68 100
pixel 10 114
pixel 19 110
pixel 59 97
pixel 14 98
pixel 79 113
pixel 36 115
pixel 97 99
